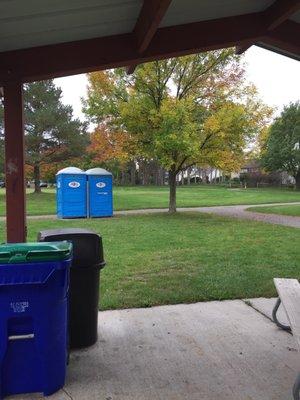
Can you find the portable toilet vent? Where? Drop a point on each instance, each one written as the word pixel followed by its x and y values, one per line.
pixel 100 196
pixel 71 193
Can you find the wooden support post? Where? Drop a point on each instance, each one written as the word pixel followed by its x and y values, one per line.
pixel 14 162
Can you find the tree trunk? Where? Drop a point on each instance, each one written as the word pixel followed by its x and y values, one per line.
pixel 157 176
pixel 132 173
pixel 161 176
pixel 145 173
pixel 160 173
pixel 297 177
pixel 123 178
pixel 172 186
pixel 37 178
pixel 188 176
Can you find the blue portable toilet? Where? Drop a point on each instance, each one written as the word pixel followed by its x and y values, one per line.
pixel 71 195
pixel 100 195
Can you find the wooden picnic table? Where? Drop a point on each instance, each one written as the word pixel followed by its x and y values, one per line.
pixel 289 296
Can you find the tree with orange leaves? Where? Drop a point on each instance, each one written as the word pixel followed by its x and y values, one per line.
pixel 111 148
pixel 109 145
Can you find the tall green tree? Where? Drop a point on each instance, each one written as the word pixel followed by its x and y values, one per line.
pixel 51 133
pixel 194 110
pixel 281 150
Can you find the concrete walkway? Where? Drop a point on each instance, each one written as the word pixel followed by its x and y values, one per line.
pixel 209 351
pixel 265 307
pixel 238 211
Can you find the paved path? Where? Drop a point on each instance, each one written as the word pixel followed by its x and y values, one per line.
pixel 237 211
pixel 240 212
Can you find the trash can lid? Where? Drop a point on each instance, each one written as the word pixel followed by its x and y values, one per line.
pixel 87 245
pixel 14 253
pixel 71 171
pixel 97 171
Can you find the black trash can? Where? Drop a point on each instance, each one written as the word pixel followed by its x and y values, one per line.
pixel 87 262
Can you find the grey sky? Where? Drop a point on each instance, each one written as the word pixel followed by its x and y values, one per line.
pixel 276 77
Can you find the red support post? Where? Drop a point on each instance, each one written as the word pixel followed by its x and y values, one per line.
pixel 14 162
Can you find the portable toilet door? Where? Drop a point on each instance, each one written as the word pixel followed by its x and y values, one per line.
pixel 100 196
pixel 71 193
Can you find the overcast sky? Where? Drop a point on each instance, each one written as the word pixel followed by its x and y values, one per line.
pixel 276 77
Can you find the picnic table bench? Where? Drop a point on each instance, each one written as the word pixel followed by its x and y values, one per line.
pixel 289 296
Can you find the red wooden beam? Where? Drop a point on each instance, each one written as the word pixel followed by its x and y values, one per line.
pixel 242 48
pixel 131 69
pixel 14 163
pixel 120 50
pixel 286 38
pixel 279 12
pixel 151 15
pixel 274 15
pixel 148 22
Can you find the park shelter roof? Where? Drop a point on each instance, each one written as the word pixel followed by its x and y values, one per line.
pixel 42 39
pixel 45 39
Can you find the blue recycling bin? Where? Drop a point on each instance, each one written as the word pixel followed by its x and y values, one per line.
pixel 34 282
pixel 71 193
pixel 100 193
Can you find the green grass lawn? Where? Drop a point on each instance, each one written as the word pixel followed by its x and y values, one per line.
pixel 130 198
pixel 188 257
pixel 292 210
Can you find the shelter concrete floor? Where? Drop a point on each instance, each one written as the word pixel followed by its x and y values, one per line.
pixel 204 351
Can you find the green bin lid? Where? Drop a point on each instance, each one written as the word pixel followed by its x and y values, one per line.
pixel 14 253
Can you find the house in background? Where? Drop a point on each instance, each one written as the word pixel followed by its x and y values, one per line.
pixel 252 166
pixel 252 174
pixel 200 175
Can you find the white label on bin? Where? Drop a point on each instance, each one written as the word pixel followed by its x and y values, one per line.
pixel 74 185
pixel 100 185
pixel 19 306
